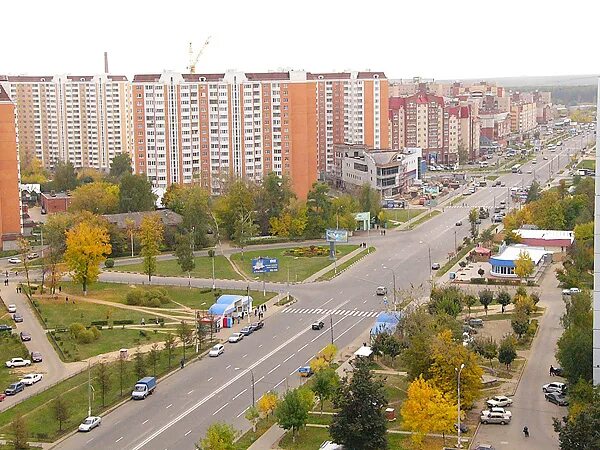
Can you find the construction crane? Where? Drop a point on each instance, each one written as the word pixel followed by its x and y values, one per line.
pixel 194 59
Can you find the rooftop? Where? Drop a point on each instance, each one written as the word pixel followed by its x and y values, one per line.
pixel 547 235
pixel 512 252
pixel 168 218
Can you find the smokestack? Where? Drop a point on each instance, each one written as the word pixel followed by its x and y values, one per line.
pixel 105 62
pixel 596 339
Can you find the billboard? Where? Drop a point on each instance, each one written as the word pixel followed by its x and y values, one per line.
pixel 265 265
pixel 336 235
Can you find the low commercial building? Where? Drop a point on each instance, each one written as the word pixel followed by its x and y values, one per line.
pixel 552 240
pixel 504 263
pixel 228 307
pixel 55 202
pixel 122 221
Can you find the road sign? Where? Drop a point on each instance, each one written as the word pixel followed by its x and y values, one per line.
pixel 336 235
pixel 265 265
pixel 385 300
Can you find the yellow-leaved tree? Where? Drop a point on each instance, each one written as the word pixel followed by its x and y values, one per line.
pixel 448 355
pixel 87 246
pixel 524 265
pixel 268 402
pixel 151 237
pixel 427 410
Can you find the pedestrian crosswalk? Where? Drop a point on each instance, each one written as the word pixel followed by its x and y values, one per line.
pixel 335 312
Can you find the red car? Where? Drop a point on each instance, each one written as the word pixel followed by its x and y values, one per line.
pixel 2 396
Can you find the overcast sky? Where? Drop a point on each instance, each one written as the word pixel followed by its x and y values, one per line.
pixel 442 39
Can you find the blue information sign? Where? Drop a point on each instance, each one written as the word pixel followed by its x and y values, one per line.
pixel 265 265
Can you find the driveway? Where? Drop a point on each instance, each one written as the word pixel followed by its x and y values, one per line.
pixel 530 407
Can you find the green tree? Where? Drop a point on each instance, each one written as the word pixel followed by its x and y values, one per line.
pixel 193 203
pixel 486 297
pixel 185 334
pixel 520 323
pixel 169 345
pixel 184 253
pixel 65 178
pixel 244 229
pixel 360 422
pixel 319 210
pixel 369 200
pixel 87 247
pixel 345 208
pixel 292 412
pixel 524 265
pixel 504 299
pixel 487 236
pixel 446 299
pixel 151 237
pixel 575 344
pixel 252 415
pixel 324 385
pixel 507 351
pixel 55 240
pixel 24 251
pixel 488 349
pixel 533 194
pixel 580 431
pixel 103 376
pixel 273 197
pixel 219 436
pixel 98 197
pixel 139 365
pixel 473 216
pixel 61 411
pixel 238 201
pixel 135 194
pixel 20 434
pixel 153 357
pixel 120 166
pixel 470 300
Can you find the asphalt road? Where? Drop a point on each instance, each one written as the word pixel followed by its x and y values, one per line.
pixel 220 389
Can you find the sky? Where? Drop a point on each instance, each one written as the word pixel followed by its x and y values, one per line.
pixel 440 39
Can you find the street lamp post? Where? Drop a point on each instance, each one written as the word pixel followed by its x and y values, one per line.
pixel 462 366
pixel 393 283
pixel 253 399
pixel 455 246
pixel 331 326
pixel 430 272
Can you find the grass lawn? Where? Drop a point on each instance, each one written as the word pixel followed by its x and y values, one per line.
pixel 109 341
pixel 460 255
pixel 10 347
pixel 37 410
pixel 492 177
pixel 425 218
pixel 332 273
pixel 587 164
pixel 299 268
pixel 248 438
pixel 311 438
pixel 402 215
pixel 457 199
pixel 170 268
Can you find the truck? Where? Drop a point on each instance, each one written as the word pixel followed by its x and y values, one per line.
pixel 143 388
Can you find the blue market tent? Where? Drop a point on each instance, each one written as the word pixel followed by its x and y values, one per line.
pixel 386 322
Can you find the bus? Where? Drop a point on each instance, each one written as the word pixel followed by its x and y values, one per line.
pixel 516 168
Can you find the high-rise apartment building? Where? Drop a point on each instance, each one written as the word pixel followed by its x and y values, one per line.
pixel 82 119
pixel 10 204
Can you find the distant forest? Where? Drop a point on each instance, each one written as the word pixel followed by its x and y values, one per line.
pixel 565 95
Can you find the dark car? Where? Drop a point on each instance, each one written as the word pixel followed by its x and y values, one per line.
pixel 463 427
pixel 4 327
pixel 559 372
pixel 246 331
pixel 17 317
pixel 257 325
pixel 556 398
pixel 36 357
pixel 25 336
pixel 15 388
pixel 317 325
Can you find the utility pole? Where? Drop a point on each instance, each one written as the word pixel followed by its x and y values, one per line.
pixel 430 274
pixel 253 399
pixel 331 326
pixel 462 366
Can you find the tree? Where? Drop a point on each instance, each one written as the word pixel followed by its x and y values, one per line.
pixel 324 385
pixel 169 345
pixel 580 431
pixel 486 297
pixel 184 332
pixel 151 237
pixel 103 376
pixel 292 412
pixel 268 402
pixel 24 251
pixel 122 369
pixel 473 216
pixel 447 299
pixel 369 200
pixel 533 194
pixel 153 357
pixel 524 265
pixel 575 344
pixel 55 240
pixel 252 415
pixel 184 253
pixel 61 411
pixel 510 237
pixel 360 422
pixel 98 197
pixel 219 436
pixel 470 300
pixel 135 194
pixel 273 197
pixel 244 229
pixel 193 203
pixel 507 351
pixel 319 210
pixel 87 247
pixel 447 356
pixel 65 178
pixel 238 201
pixel 20 434
pixel 427 410
pixel 139 365
pixel 120 166
pixel 487 348
pixel 504 299
pixel 345 208
pixel 487 236
pixel 292 222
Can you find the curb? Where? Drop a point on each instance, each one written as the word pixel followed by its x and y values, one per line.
pixel 345 268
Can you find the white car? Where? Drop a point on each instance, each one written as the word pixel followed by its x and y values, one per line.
pixel 236 337
pixel 31 378
pixel 14 261
pixel 381 290
pixel 494 417
pixel 90 423
pixel 571 291
pixel 499 401
pixel 553 387
pixel 33 255
pixel 18 362
pixel 216 350
pixel 12 308
pixel 496 410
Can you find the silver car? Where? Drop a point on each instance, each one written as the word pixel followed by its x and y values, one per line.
pixel 495 417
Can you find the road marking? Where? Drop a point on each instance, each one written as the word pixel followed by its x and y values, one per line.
pixel 288 358
pixel 220 409
pixel 90 440
pixel 258 381
pixel 238 416
pixel 190 392
pixel 187 433
pixel 169 406
pixel 145 421
pixel 308 360
pixel 294 371
pixel 239 394
pixel 245 355
pixel 364 302
pixel 118 439
pixel 287 328
pixel 228 367
pixel 274 336
pixel 210 379
pixel 260 346
pixel 277 385
pixel 221 388
pixel 274 369
pixel 303 347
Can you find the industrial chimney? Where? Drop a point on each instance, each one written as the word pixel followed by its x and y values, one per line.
pixel 106 62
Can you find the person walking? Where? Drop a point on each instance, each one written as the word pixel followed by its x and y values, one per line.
pixel 552 371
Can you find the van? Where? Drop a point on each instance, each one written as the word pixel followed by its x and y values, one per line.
pixel 475 322
pixel 381 290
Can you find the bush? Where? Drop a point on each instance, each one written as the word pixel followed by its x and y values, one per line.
pixel 153 298
pixel 109 263
pixel 123 322
pixel 85 337
pixel 477 280
pixel 76 329
pixel 96 332
pixel 154 303
pixel 134 297
pixel 100 323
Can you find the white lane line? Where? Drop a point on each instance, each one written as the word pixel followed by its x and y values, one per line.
pixel 258 381
pixel 260 346
pixel 287 328
pixel 145 421
pixel 273 369
pixel 220 409
pixel 239 415
pixel 217 391
pixel 89 440
pixel 274 336
pixel 187 433
pixel 118 439
pixel 287 359
pixel 277 385
pixel 364 302
pixel 171 404
pixel 245 355
pixel 326 302
pixel 303 347
pixel 190 392
pixel 228 367
pixel 210 379
pixel 294 371
pixel 239 394
pixel 308 360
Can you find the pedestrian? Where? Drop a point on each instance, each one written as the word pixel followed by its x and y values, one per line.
pixel 6 273
pixel 143 321
pixel 17 289
pixel 66 299
pixel 182 363
pixel 265 305
pixel 551 370
pixel 59 288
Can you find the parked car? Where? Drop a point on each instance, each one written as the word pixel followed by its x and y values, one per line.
pixel 381 290
pixel 33 255
pixel 12 308
pixel 555 386
pixel 317 325
pixel 496 409
pixel 25 336
pixel 143 388
pixel 463 427
pixel 246 331
pixel 4 327
pixel 89 423
pixel 484 447
pixel 494 417
pixel 236 337
pixel 559 372
pixel 257 325
pixel 17 317
pixel 36 357
pixel 14 261
pixel 476 322
pixel 305 371
pixel 216 350
pixel 571 291
pixel 31 378
pixel 556 398
pixel 435 266
pixel 17 362
pixel 459 223
pixel 499 400
pixel 497 218
pixel 14 388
